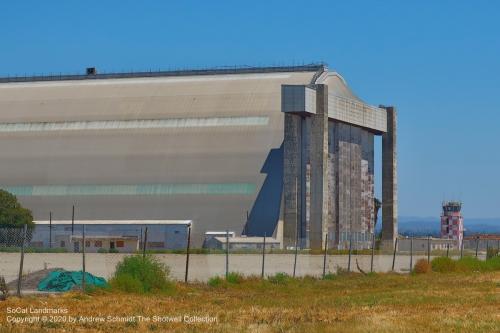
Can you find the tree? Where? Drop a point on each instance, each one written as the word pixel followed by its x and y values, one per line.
pixel 13 217
pixel 12 214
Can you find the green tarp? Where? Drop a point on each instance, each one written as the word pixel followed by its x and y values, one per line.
pixel 66 280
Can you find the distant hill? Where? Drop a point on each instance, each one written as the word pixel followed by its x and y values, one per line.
pixel 418 226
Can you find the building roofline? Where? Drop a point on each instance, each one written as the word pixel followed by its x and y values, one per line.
pixel 313 67
pixel 248 240
pixel 88 237
pixel 115 222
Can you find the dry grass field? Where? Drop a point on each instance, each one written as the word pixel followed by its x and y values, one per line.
pixel 434 302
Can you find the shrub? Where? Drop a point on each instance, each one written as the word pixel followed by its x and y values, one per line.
pixel 101 250
pixel 234 278
pixel 329 276
pixel 443 265
pixel 491 253
pixel 471 264
pixel 279 278
pixel 113 250
pixel 493 264
pixel 422 267
pixel 142 275
pixel 468 264
pixel 4 291
pixel 342 271
pixel 127 283
pixel 215 281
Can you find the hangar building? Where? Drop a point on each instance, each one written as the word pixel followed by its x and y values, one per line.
pixel 236 149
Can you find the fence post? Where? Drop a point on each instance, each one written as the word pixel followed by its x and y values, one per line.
pixel 428 249
pixel 477 244
pixel 411 254
pixel 263 256
pixel 83 257
pixel 447 250
pixel 296 227
pixel 324 256
pixel 394 254
pixel 373 251
pixel 462 249
pixel 295 258
pixel 145 243
pixel 350 250
pixel 245 229
pixel 227 253
pixel 50 230
pixel 73 221
pixel 187 253
pixel 20 276
pixel 140 241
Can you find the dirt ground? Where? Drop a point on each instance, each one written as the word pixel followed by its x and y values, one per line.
pixel 434 302
pixel 30 281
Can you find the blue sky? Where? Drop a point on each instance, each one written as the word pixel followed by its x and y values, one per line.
pixel 437 61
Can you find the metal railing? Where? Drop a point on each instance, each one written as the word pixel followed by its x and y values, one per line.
pixel 23 260
pixel 167 73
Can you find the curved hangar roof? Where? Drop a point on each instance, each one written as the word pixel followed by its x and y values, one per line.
pixel 343 104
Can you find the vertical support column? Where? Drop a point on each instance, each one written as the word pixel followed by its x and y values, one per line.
pixel 291 178
pixel 305 182
pixel 319 177
pixel 389 182
pixel 333 225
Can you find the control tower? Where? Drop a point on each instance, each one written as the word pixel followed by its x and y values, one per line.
pixel 452 222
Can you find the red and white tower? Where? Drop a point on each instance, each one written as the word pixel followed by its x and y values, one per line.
pixel 452 222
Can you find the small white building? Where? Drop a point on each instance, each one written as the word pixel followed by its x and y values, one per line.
pixel 421 244
pixel 115 235
pixel 242 243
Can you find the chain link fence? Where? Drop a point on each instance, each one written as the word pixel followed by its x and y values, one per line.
pixel 26 257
